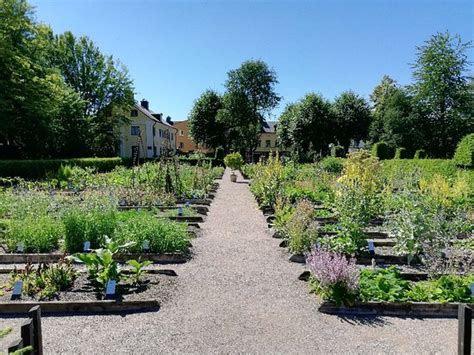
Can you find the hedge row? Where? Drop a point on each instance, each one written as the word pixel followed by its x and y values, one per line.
pixel 464 155
pixel 427 167
pixel 36 169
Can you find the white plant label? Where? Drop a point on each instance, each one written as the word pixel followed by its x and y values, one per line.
pixel 87 246
pixel 20 248
pixel 146 245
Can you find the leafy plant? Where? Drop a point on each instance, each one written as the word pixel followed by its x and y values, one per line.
pixel 234 161
pixel 301 229
pixel 138 269
pixel 382 285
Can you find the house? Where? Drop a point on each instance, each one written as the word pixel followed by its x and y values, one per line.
pixel 147 135
pixel 268 141
pixel 184 141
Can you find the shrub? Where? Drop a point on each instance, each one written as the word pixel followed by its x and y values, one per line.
pixel 338 151
pixel 332 165
pixel 464 155
pixel 401 153
pixel 335 277
pixel 82 224
pixel 234 160
pixel 38 234
pixel 165 236
pixel 420 154
pixel 382 285
pixel 382 151
pixel 301 228
pixel 36 169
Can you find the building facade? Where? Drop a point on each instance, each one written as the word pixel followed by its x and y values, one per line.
pixel 184 141
pixel 146 135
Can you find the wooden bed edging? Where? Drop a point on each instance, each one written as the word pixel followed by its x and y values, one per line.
pixel 394 309
pixel 364 260
pixel 104 306
pixel 167 258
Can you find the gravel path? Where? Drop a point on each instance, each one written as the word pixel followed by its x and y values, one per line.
pixel 239 294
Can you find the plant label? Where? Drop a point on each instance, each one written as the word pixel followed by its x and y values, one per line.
pixel 180 211
pixel 16 294
pixel 370 244
pixel 472 290
pixel 87 246
pixel 110 289
pixel 187 204
pixel 146 245
pixel 20 248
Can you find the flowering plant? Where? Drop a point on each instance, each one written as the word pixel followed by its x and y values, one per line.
pixel 334 277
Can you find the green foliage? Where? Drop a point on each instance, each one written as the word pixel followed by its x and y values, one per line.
pixel 447 288
pixel 382 285
pixel 332 165
pixel 423 167
pixel 382 151
pixel 464 155
pixel 301 228
pixel 338 151
pixel 38 234
pixel 46 280
pixel 5 331
pixel 32 169
pixel 64 173
pixel 203 124
pixel 219 154
pixel 82 224
pixel 401 153
pixel 138 269
pixel 420 154
pixel 234 161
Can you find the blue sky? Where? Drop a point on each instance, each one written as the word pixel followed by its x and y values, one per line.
pixel 174 50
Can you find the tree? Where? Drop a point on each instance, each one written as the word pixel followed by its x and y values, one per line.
pixel 285 125
pixel 352 117
pixel 440 91
pixel 203 124
pixel 250 97
pixel 102 83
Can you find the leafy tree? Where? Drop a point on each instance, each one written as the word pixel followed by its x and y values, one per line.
pixel 203 124
pixel 102 83
pixel 285 125
pixel 352 118
pixel 440 91
pixel 250 97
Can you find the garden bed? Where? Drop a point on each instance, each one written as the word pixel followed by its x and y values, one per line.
pixel 394 309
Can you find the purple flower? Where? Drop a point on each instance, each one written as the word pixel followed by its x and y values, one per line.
pixel 331 268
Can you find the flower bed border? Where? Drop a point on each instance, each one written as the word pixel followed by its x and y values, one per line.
pixel 100 306
pixel 166 258
pixel 394 309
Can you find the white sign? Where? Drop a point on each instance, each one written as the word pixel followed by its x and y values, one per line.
pixel 20 247
pixel 87 246
pixel 146 245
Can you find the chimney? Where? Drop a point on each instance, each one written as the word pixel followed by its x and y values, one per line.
pixel 144 104
pixel 169 121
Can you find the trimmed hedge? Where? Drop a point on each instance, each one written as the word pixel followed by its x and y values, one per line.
pixel 427 167
pixel 401 153
pixel 420 154
pixel 35 169
pixel 382 151
pixel 338 151
pixel 464 155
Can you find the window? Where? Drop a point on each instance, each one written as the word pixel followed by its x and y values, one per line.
pixel 149 147
pixel 161 132
pixel 268 143
pixel 154 131
pixel 135 131
pixel 154 151
pixel 172 136
pixel 181 145
pixel 181 133
pixel 259 143
pixel 134 113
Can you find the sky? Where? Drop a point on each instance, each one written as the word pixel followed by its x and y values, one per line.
pixel 174 50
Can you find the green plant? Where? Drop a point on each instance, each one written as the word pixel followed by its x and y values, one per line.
pixel 100 263
pixel 401 153
pixel 301 228
pixel 447 288
pixel 420 154
pixel 234 161
pixel 138 269
pixel 38 234
pixel 382 285
pixel 332 165
pixel 464 155
pixel 382 151
pixel 64 173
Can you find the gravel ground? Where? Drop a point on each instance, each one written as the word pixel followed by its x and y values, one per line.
pixel 239 294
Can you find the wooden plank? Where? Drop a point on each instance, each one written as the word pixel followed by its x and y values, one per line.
pixel 35 315
pixel 464 329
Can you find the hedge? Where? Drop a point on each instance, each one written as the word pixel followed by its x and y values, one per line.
pixel 464 155
pixel 401 153
pixel 382 151
pixel 36 169
pixel 338 151
pixel 426 167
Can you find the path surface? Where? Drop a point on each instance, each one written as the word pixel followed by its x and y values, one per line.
pixel 239 294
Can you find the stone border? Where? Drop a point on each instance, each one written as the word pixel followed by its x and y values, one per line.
pixel 192 219
pixel 167 258
pixel 102 306
pixel 393 309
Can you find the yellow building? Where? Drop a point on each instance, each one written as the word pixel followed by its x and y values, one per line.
pixel 268 141
pixel 184 141
pixel 146 135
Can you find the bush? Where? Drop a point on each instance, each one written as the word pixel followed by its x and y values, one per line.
pixel 420 154
pixel 464 155
pixel 36 169
pixel 424 167
pixel 37 234
pixel 332 165
pixel 338 151
pixel 382 151
pixel 83 225
pixel 401 153
pixel 234 161
pixel 301 228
